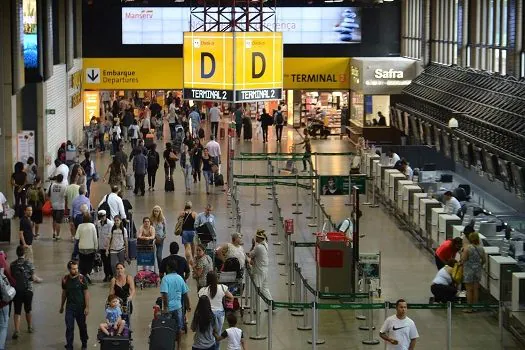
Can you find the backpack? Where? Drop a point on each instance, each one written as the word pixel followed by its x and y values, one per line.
pixel 21 273
pixel 105 206
pixel 7 292
pixel 86 165
pixel 349 226
pixel 279 118
pixel 152 160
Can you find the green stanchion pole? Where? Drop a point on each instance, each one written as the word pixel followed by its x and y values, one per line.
pixel 255 203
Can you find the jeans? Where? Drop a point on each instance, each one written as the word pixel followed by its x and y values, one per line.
pixel 116 257
pixel 187 177
pixel 306 158
pixel 158 252
pixel 279 131
pixel 80 318
pixel 139 184
pixel 125 132
pixel 152 174
pixel 214 129
pixel 196 174
pixel 88 186
pixel 172 131
pixel 177 315
pixel 134 143
pixel 187 237
pixel 207 179
pixel 195 129
pixel 108 272
pixel 4 323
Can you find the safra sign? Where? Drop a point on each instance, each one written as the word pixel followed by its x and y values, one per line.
pixel 390 77
pixel 388 74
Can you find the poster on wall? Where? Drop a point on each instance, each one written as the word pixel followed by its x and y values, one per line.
pixel 306 25
pixel 334 185
pixel 25 145
pixel 30 34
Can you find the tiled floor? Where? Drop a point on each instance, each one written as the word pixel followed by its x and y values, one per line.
pixel 406 271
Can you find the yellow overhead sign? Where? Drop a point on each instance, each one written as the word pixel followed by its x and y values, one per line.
pixel 330 73
pixel 208 66
pixel 258 66
pixel 132 73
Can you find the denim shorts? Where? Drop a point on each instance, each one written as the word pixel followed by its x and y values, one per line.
pixel 177 315
pixel 187 237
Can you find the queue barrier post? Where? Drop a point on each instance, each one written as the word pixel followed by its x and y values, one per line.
pixel 253 301
pixel 500 324
pixel 297 204
pixel 315 321
pixel 255 203
pixel 270 324
pixel 449 325
pixel 306 311
pixel 258 335
pixel 290 265
pixel 285 247
pixel 369 323
pixel 246 305
pixel 297 278
pixel 370 320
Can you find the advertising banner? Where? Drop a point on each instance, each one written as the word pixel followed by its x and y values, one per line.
pixel 208 66
pixel 299 25
pixel 333 185
pixel 132 73
pixel 331 73
pixel 258 66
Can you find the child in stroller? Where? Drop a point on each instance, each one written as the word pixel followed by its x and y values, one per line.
pixel 114 324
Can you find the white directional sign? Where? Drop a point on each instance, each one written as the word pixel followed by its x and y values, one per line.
pixel 93 75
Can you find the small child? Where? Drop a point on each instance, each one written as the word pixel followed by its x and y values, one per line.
pixel 114 321
pixel 234 335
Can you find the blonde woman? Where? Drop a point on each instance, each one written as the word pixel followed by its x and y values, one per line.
pixel 158 221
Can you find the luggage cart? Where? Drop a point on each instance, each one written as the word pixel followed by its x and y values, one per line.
pixel 234 280
pixel 146 272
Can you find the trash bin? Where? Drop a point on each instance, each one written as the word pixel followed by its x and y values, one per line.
pixel 334 263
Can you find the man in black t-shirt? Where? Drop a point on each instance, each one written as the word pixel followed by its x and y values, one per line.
pixel 75 292
pixel 183 268
pixel 26 233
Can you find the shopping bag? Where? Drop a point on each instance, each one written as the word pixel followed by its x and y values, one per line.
pixel 47 209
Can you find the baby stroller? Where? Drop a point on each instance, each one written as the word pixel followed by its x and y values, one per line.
pixel 179 138
pixel 123 341
pixel 231 275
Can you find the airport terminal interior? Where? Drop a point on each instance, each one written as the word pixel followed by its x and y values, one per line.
pixel 356 170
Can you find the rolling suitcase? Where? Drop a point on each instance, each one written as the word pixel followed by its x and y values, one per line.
pixel 163 334
pixel 169 185
pixel 115 343
pixel 5 230
pixel 222 133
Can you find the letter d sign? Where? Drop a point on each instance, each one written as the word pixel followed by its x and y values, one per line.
pixel 255 55
pixel 210 74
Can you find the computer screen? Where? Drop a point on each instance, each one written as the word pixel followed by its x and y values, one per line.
pixel 428 133
pixel 488 162
pixel 466 153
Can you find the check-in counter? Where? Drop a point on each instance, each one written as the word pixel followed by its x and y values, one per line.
pixel 392 188
pixel 425 212
pixel 415 210
pixel 369 163
pixel 445 224
pixel 386 180
pixel 518 291
pixel 407 198
pixel 432 224
pixel 485 271
pixel 378 173
pixel 457 230
pixel 500 276
pixel 398 190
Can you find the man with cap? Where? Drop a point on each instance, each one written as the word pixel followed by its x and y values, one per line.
pixel 104 226
pixel 259 263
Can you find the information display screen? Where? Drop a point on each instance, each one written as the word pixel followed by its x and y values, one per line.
pixel 30 34
pixel 299 25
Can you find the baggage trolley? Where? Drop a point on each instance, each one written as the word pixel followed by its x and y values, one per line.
pixel 146 272
pixel 232 275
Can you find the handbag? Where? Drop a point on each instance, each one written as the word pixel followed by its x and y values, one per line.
pixel 180 223
pixel 47 209
pixel 457 273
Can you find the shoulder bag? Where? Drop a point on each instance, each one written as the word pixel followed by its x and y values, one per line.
pixel 180 223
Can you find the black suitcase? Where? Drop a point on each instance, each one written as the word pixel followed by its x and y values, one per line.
pixel 114 343
pixel 5 230
pixel 169 186
pixel 163 334
pixel 219 180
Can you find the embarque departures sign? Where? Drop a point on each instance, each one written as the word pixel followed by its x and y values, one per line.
pixel 233 67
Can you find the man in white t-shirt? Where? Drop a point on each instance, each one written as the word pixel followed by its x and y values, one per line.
pixel 393 158
pixel 399 331
pixel 214 150
pixel 215 116
pixel 452 205
pixel 57 197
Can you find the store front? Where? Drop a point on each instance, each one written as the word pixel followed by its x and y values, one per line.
pixel 315 87
pixel 376 83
